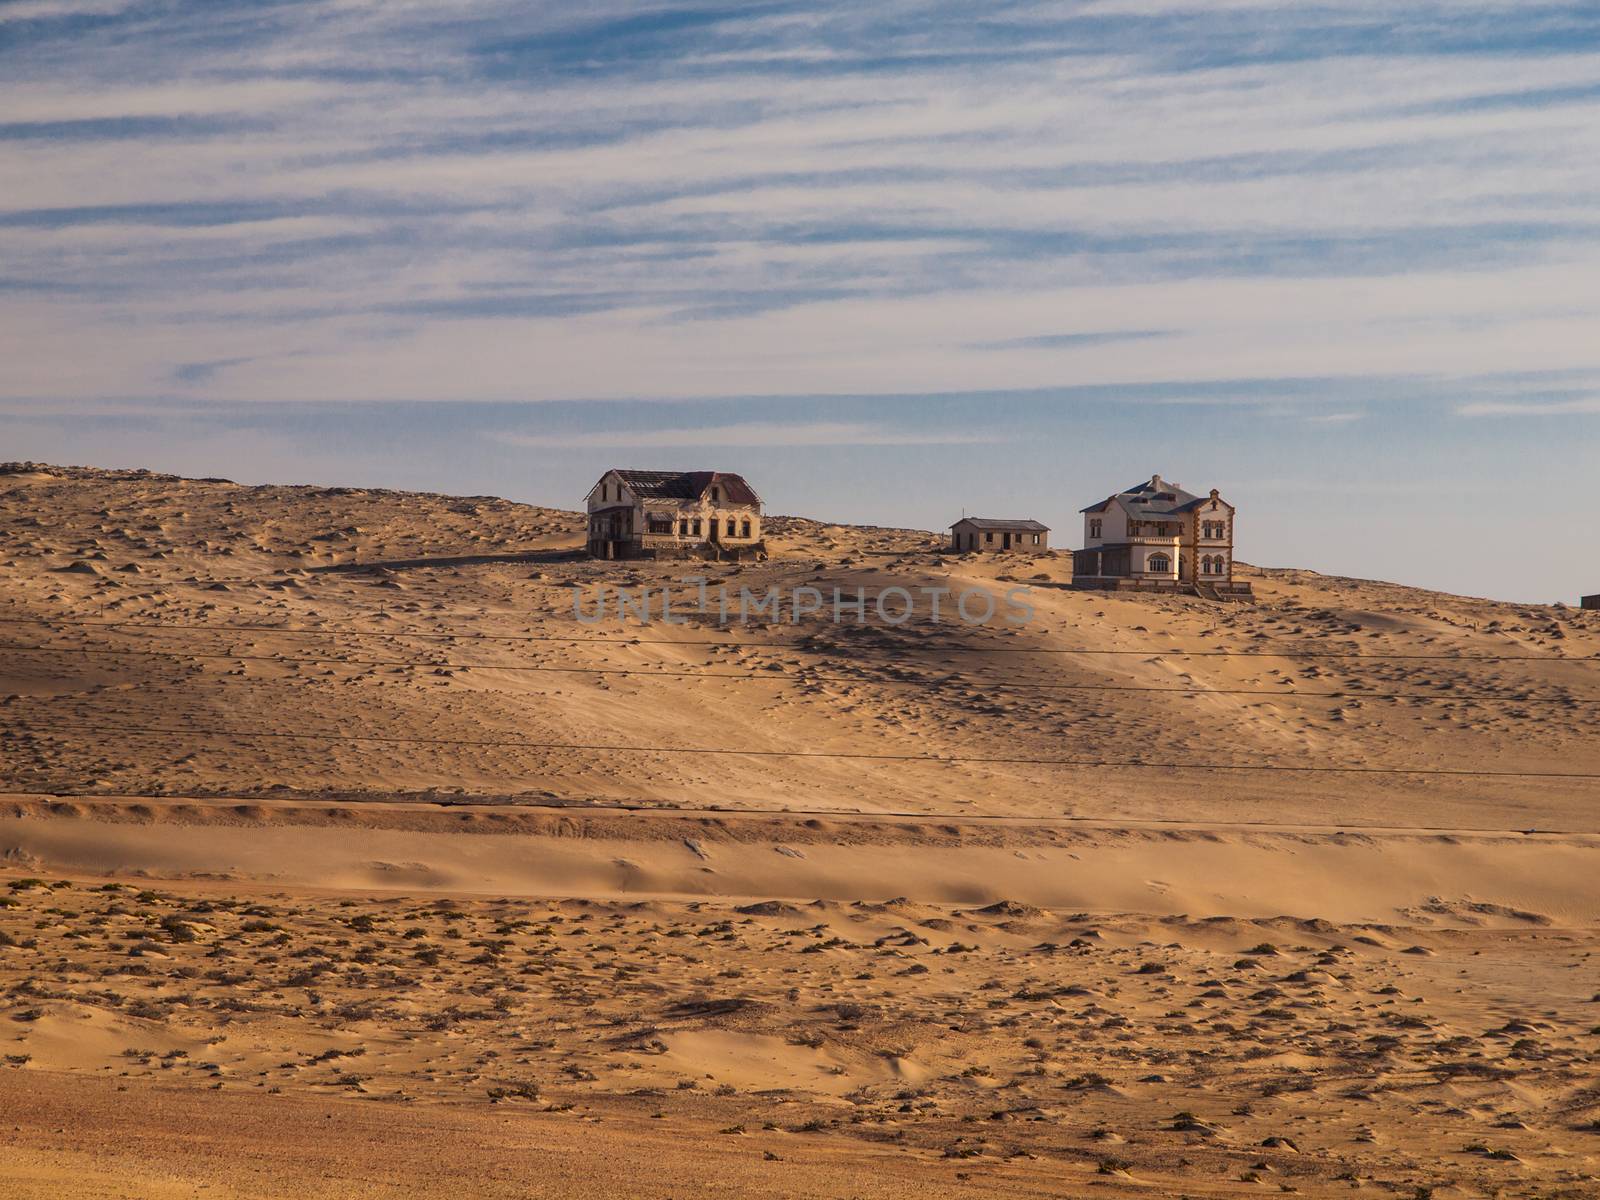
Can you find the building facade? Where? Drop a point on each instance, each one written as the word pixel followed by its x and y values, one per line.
pixel 975 534
pixel 1591 602
pixel 674 514
pixel 1157 537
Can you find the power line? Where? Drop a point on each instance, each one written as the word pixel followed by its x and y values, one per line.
pixel 795 647
pixel 858 756
pixel 804 676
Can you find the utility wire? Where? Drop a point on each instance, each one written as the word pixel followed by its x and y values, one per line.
pixel 806 676
pixel 791 647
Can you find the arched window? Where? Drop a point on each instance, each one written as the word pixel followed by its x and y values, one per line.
pixel 1159 564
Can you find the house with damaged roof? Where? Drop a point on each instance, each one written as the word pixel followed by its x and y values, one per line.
pixel 1154 536
pixel 674 514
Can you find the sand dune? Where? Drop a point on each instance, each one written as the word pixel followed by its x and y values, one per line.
pixel 1495 880
pixel 338 858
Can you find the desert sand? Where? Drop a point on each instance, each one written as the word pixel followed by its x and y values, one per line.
pixel 337 858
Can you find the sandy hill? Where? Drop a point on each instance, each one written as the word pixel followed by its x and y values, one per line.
pixel 168 635
pixel 1146 897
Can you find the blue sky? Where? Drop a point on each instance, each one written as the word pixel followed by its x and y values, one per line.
pixel 893 260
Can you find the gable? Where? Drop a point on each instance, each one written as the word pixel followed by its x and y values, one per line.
pixel 606 491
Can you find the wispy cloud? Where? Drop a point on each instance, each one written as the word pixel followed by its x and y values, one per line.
pixel 1072 341
pixel 751 434
pixel 55 10
pixel 347 200
pixel 204 372
pixel 1578 406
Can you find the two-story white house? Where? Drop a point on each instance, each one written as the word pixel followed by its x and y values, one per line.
pixel 674 514
pixel 1156 536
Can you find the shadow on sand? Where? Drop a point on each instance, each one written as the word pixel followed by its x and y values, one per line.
pixel 379 566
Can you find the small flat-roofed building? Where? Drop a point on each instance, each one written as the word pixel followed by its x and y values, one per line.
pixel 1591 602
pixel 977 534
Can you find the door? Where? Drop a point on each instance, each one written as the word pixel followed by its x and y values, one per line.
pixel 1006 542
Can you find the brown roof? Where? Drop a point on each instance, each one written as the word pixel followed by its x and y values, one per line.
pixel 999 523
pixel 690 485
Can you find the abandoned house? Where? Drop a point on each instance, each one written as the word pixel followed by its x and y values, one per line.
pixel 674 514
pixel 1155 536
pixel 990 533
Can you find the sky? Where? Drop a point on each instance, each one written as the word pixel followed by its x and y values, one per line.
pixel 895 261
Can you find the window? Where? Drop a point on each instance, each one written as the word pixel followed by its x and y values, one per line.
pixel 661 525
pixel 1094 528
pixel 696 527
pixel 1159 564
pixel 683 527
pixel 988 537
pixel 716 495
pixel 744 529
pixel 1036 539
pixel 731 528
